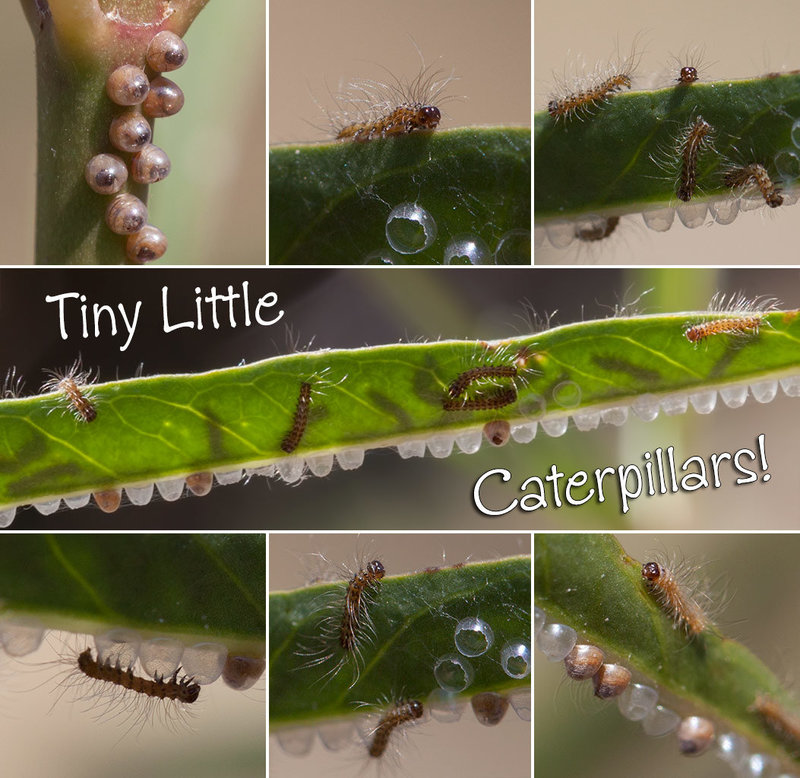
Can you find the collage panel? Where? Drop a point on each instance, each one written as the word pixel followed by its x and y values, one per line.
pixel 129 143
pixel 402 654
pixel 132 654
pixel 400 133
pixel 674 650
pixel 665 136
pixel 584 399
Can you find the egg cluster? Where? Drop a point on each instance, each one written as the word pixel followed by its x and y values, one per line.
pixel 130 133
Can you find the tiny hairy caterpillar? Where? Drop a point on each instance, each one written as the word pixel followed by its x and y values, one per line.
pixel 671 595
pixel 181 690
pixel 744 324
pixel 72 383
pixel 368 577
pixel 755 174
pixel 696 137
pixel 497 399
pixel 295 434
pixel 400 713
pixel 462 381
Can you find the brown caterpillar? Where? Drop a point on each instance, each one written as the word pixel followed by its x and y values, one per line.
pixel 497 399
pixel 755 174
pixel 673 599
pixel 403 120
pixel 778 719
pixel 182 690
pixel 696 138
pixel 586 99
pixel 461 382
pixel 292 439
pixel 72 385
pixel 400 713
pixel 369 576
pixel 744 324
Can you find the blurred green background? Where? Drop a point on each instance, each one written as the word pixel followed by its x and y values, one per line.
pixel 212 208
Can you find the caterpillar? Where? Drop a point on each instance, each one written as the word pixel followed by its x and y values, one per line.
pixel 181 690
pixel 744 324
pixel 401 713
pixel 674 599
pixel 293 437
pixel 755 174
pixel 462 381
pixel 697 136
pixel 369 576
pixel 497 399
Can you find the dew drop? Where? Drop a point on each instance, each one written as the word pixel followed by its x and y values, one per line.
pixel 336 735
pixel 514 247
pixel 587 420
pixel 160 656
pixel 320 465
pixel 637 701
pixel 229 477
pixel 291 469
pixel 7 517
pixel 203 662
pixel 646 407
pixel 473 636
pixel 241 672
pixel 79 501
pixel 453 673
pixel 692 215
pixel 411 448
pixel 764 391
pixel 521 703
pixel 733 396
pixel 704 402
pixel 555 641
pixel 524 433
pixel 614 416
pixel 560 234
pixel 170 489
pixel 467 250
pixel 724 211
pixel 515 659
pixel 46 508
pixel 675 404
pixel 350 458
pixel 441 446
pixel 446 707
pixel 787 163
pixel 410 228
pixel 660 219
pixel 731 748
pixel 21 636
pixel 660 721
pixel 489 708
pixel 567 394
pixel 555 428
pixel 791 386
pixel 118 647
pixel 469 441
pixel 297 741
pixel 140 495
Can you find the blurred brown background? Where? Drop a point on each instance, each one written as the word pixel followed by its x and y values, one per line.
pixel 212 208
pixel 739 40
pixel 316 45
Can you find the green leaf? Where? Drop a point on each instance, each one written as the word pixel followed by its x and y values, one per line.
pixel 192 587
pixel 626 156
pixel 589 583
pixel 171 426
pixel 414 618
pixel 329 203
